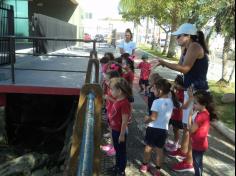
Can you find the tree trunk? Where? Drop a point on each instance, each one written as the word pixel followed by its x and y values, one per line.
pixel 165 46
pixel 231 74
pixel 209 36
pixel 174 22
pixel 147 28
pixel 224 57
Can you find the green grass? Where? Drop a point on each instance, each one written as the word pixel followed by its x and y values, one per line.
pixel 226 112
pixel 147 48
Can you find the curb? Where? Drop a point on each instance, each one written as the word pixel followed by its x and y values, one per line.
pixel 227 132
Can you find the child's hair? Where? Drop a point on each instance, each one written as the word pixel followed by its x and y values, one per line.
pixel 144 56
pixel 129 60
pixel 123 85
pixel 179 80
pixel 165 86
pixel 104 60
pixel 112 65
pixel 125 55
pixel 110 56
pixel 113 74
pixel 118 60
pixel 206 99
pixel 154 77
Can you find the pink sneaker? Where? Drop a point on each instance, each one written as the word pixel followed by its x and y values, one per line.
pixel 106 148
pixel 111 152
pixel 144 168
pixel 183 167
pixel 171 147
pixel 177 154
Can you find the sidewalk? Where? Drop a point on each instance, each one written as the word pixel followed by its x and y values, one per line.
pixel 219 159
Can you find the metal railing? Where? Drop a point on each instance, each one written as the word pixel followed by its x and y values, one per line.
pixel 84 154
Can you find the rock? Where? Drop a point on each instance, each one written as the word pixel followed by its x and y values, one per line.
pixel 228 98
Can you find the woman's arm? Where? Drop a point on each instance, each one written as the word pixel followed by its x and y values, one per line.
pixel 194 52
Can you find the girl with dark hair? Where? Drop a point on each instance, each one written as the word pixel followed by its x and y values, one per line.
pixel 128 68
pixel 194 66
pixel 118 119
pixel 157 130
pixel 199 127
pixel 127 45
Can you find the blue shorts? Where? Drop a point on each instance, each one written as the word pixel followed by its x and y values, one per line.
pixel 155 137
pixel 145 82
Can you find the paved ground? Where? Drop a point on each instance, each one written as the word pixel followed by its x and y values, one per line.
pixel 219 159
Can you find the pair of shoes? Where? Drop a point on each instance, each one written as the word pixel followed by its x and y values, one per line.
pixel 106 148
pixel 107 135
pixel 144 168
pixel 177 154
pixel 183 167
pixel 111 152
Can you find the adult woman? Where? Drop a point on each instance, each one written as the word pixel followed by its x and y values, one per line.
pixel 194 65
pixel 127 45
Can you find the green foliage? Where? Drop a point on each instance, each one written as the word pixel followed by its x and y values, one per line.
pixel 225 112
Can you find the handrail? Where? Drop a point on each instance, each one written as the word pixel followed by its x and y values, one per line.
pixel 85 153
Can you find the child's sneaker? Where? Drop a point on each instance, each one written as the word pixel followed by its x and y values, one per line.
pixel 177 154
pixel 106 148
pixel 111 152
pixel 171 147
pixel 183 167
pixel 144 168
pixel 107 135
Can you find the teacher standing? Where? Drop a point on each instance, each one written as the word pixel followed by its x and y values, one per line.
pixel 127 45
pixel 194 66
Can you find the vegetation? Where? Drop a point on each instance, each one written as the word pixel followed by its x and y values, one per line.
pixel 226 112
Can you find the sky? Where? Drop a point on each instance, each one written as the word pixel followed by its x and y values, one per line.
pixel 101 8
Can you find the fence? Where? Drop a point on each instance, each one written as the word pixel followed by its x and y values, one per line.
pixel 7 46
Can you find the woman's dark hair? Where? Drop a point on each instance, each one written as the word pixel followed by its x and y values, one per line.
pixel 206 99
pixel 165 86
pixel 129 31
pixel 110 56
pixel 179 80
pixel 104 60
pixel 113 74
pixel 200 38
pixel 123 85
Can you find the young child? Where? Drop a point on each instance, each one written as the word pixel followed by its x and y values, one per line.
pixel 176 117
pixel 154 77
pixel 156 132
pixel 128 68
pixel 109 100
pixel 145 68
pixel 199 127
pixel 118 119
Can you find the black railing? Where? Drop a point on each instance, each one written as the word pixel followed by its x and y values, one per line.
pixel 7 46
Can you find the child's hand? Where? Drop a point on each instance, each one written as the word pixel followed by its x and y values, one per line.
pixel 121 138
pixel 190 93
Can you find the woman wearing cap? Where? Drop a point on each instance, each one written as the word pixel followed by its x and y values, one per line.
pixel 194 65
pixel 127 45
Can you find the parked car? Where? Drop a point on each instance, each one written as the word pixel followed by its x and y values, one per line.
pixel 87 37
pixel 99 38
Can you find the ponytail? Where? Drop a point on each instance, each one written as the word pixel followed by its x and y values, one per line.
pixel 200 38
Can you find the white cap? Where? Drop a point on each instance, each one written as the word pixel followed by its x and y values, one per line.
pixel 186 28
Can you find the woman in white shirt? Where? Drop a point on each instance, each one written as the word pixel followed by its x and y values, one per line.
pixel 127 45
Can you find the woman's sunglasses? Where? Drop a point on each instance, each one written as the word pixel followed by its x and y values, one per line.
pixel 178 36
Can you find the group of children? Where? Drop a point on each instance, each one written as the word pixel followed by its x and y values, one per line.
pixel 165 107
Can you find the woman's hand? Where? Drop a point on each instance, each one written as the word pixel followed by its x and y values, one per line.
pixel 146 118
pixel 121 138
pixel 160 62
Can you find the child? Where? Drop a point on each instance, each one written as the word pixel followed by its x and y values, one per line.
pixel 118 119
pixel 128 69
pixel 199 127
pixel 156 132
pixel 176 118
pixel 151 97
pixel 145 67
pixel 109 99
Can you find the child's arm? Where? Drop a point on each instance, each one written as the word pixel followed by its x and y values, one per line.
pixel 192 125
pixel 124 124
pixel 107 97
pixel 151 118
pixel 187 103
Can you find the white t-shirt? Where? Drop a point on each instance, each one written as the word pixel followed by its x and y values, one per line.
pixel 127 47
pixel 164 107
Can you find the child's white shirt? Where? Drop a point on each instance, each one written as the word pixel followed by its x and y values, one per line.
pixel 164 108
